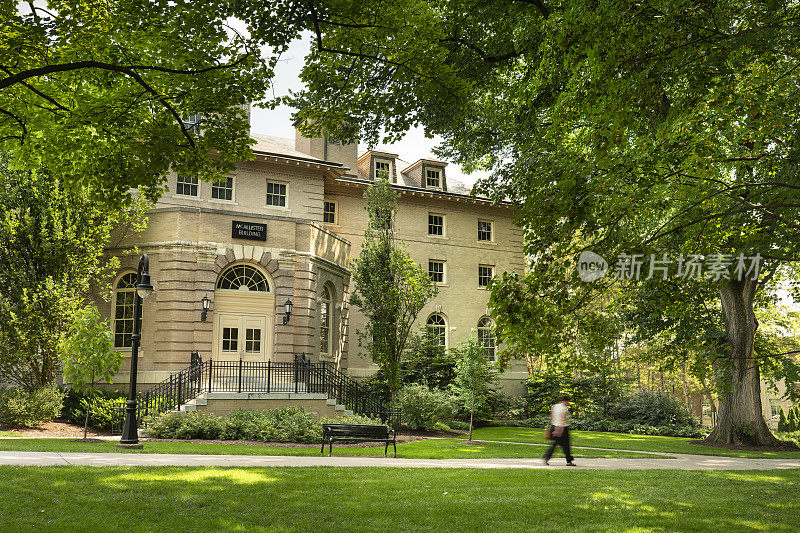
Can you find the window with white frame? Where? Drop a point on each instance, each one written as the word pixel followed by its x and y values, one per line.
pixel 486 337
pixel 775 408
pixel 187 186
pixel 433 178
pixel 222 189
pixel 484 230
pixel 436 270
pixel 383 169
pixel 485 275
pixel 329 212
pixel 325 321
pixel 435 224
pixel 243 278
pixel 124 294
pixel 437 328
pixel 276 194
pixel 252 342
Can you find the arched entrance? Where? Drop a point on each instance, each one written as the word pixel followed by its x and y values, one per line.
pixel 244 313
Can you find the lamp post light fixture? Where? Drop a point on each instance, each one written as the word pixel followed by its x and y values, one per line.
pixel 206 306
pixel 130 431
pixel 287 309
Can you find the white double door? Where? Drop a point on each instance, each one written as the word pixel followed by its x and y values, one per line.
pixel 240 336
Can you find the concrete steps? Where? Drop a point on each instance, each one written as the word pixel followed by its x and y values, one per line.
pixel 201 402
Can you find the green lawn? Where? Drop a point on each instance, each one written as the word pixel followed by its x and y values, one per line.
pixel 623 441
pixel 393 499
pixel 423 449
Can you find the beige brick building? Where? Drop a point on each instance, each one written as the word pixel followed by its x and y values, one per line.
pixel 285 227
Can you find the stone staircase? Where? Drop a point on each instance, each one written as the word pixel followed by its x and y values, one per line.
pixel 221 403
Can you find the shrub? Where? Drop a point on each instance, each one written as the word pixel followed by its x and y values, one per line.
pixel 592 396
pixel 427 362
pixel 289 424
pixel 651 409
pixel 104 411
pixel 424 407
pixel 612 426
pixel 782 423
pixel 19 407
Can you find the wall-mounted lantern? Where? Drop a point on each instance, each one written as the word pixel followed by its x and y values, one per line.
pixel 287 310
pixel 206 306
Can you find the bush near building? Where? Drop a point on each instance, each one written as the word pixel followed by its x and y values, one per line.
pixel 19 407
pixel 104 412
pixel 288 424
pixel 424 407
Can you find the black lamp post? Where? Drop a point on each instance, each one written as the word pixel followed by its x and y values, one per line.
pixel 130 433
pixel 287 310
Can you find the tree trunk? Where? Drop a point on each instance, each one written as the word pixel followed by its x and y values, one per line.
pixel 86 422
pixel 740 420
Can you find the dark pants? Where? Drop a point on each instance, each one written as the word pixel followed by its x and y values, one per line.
pixel 563 441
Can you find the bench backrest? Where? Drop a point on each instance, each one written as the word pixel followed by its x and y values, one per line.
pixel 355 430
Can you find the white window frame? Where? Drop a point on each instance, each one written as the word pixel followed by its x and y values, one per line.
pixel 233 191
pixel 285 195
pixel 438 172
pixel 773 402
pixel 389 162
pixel 325 320
pixel 491 230
pixel 492 267
pixel 444 327
pixel 335 211
pixel 117 291
pixel 444 225
pixel 444 270
pixel 195 182
pixel 482 336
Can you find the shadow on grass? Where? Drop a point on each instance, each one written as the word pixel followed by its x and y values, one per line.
pixel 366 499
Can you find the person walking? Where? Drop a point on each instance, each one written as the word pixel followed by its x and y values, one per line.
pixel 559 429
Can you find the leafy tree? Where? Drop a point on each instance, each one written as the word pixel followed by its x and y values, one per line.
pixel 621 128
pixel 115 94
pixel 390 288
pixel 89 356
pixel 475 376
pixel 52 237
pixel 782 422
pixel 428 362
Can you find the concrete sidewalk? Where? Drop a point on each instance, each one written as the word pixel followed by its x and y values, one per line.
pixel 679 462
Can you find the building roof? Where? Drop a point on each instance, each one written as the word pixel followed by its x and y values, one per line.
pixel 278 146
pixel 284 148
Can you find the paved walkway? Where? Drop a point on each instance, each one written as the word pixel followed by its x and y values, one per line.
pixel 679 462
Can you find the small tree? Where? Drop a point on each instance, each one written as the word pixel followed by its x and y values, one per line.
pixel 87 351
pixel 475 376
pixel 782 422
pixel 390 288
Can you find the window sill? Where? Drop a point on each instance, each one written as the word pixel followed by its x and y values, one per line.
pixel 438 237
pixel 218 201
pixel 278 208
pixel 186 197
pixel 492 243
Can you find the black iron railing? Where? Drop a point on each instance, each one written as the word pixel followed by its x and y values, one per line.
pixel 300 376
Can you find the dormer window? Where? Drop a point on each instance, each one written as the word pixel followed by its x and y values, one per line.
pixel 383 169
pixel 433 178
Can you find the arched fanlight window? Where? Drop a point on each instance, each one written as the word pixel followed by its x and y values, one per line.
pixel 124 293
pixel 437 328
pixel 325 321
pixel 486 337
pixel 243 278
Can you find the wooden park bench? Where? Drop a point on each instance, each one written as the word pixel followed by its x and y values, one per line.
pixel 357 433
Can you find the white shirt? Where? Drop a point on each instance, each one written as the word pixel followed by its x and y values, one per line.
pixel 559 414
